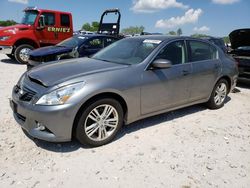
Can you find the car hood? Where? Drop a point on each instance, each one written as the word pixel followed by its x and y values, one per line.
pixel 9 30
pixel 50 50
pixel 240 37
pixel 56 73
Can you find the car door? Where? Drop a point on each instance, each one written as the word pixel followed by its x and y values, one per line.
pixel 91 46
pixel 206 68
pixel 64 25
pixel 167 88
pixel 47 36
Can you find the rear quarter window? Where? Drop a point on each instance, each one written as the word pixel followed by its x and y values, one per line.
pixel 200 51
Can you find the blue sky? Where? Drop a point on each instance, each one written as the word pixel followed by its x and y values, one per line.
pixel 213 17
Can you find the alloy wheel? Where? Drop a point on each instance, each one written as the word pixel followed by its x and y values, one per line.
pixel 220 94
pixel 101 122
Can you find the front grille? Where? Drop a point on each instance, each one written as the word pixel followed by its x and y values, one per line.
pixel 24 93
pixel 20 117
pixel 43 58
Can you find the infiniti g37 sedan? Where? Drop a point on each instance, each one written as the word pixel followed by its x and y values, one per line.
pixel 134 78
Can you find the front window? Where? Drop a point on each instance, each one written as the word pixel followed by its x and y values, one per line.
pixel 49 18
pixel 127 51
pixel 174 52
pixel 72 42
pixel 29 17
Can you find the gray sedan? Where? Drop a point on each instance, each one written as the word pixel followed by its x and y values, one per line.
pixel 134 78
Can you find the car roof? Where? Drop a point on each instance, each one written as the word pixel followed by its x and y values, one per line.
pixel 166 37
pixel 93 35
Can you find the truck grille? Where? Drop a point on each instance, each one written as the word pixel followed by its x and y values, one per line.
pixel 24 94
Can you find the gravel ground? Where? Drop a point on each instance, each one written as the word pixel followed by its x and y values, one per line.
pixel 191 147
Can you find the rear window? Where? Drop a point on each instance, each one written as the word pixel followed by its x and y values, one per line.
pixel 201 51
pixel 65 21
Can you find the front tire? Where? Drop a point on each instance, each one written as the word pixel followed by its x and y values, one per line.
pixel 219 95
pixel 22 53
pixel 99 122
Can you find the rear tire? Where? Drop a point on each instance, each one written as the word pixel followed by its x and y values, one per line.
pixel 219 95
pixel 22 53
pixel 99 122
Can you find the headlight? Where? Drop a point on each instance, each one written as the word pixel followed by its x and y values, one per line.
pixel 4 38
pixel 61 95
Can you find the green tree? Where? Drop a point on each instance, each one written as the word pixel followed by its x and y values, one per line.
pixel 179 32
pixel 172 33
pixel 226 39
pixel 91 27
pixel 95 26
pixel 4 23
pixel 133 30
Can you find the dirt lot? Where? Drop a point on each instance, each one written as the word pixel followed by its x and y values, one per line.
pixel 191 147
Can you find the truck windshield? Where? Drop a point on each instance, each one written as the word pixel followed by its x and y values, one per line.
pixel 29 17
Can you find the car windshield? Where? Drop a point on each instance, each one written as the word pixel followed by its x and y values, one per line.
pixel 72 42
pixel 29 17
pixel 127 51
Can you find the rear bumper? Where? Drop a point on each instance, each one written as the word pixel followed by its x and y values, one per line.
pixel 244 73
pixel 6 49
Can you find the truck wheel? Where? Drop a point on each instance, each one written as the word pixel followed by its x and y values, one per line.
pixel 11 56
pixel 22 53
pixel 99 122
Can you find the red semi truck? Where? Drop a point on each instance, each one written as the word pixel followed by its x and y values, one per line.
pixel 38 28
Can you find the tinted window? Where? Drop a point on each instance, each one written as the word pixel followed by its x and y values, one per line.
pixel 49 19
pixel 65 21
pixel 174 52
pixel 108 41
pixel 201 51
pixel 94 43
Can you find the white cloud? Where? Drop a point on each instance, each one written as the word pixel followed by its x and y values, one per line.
pixel 19 1
pixel 149 6
pixel 202 29
pixel 224 2
pixel 190 16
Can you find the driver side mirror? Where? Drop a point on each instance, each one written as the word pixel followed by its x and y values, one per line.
pixel 161 64
pixel 41 23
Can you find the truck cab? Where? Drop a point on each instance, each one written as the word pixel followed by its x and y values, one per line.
pixel 38 28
